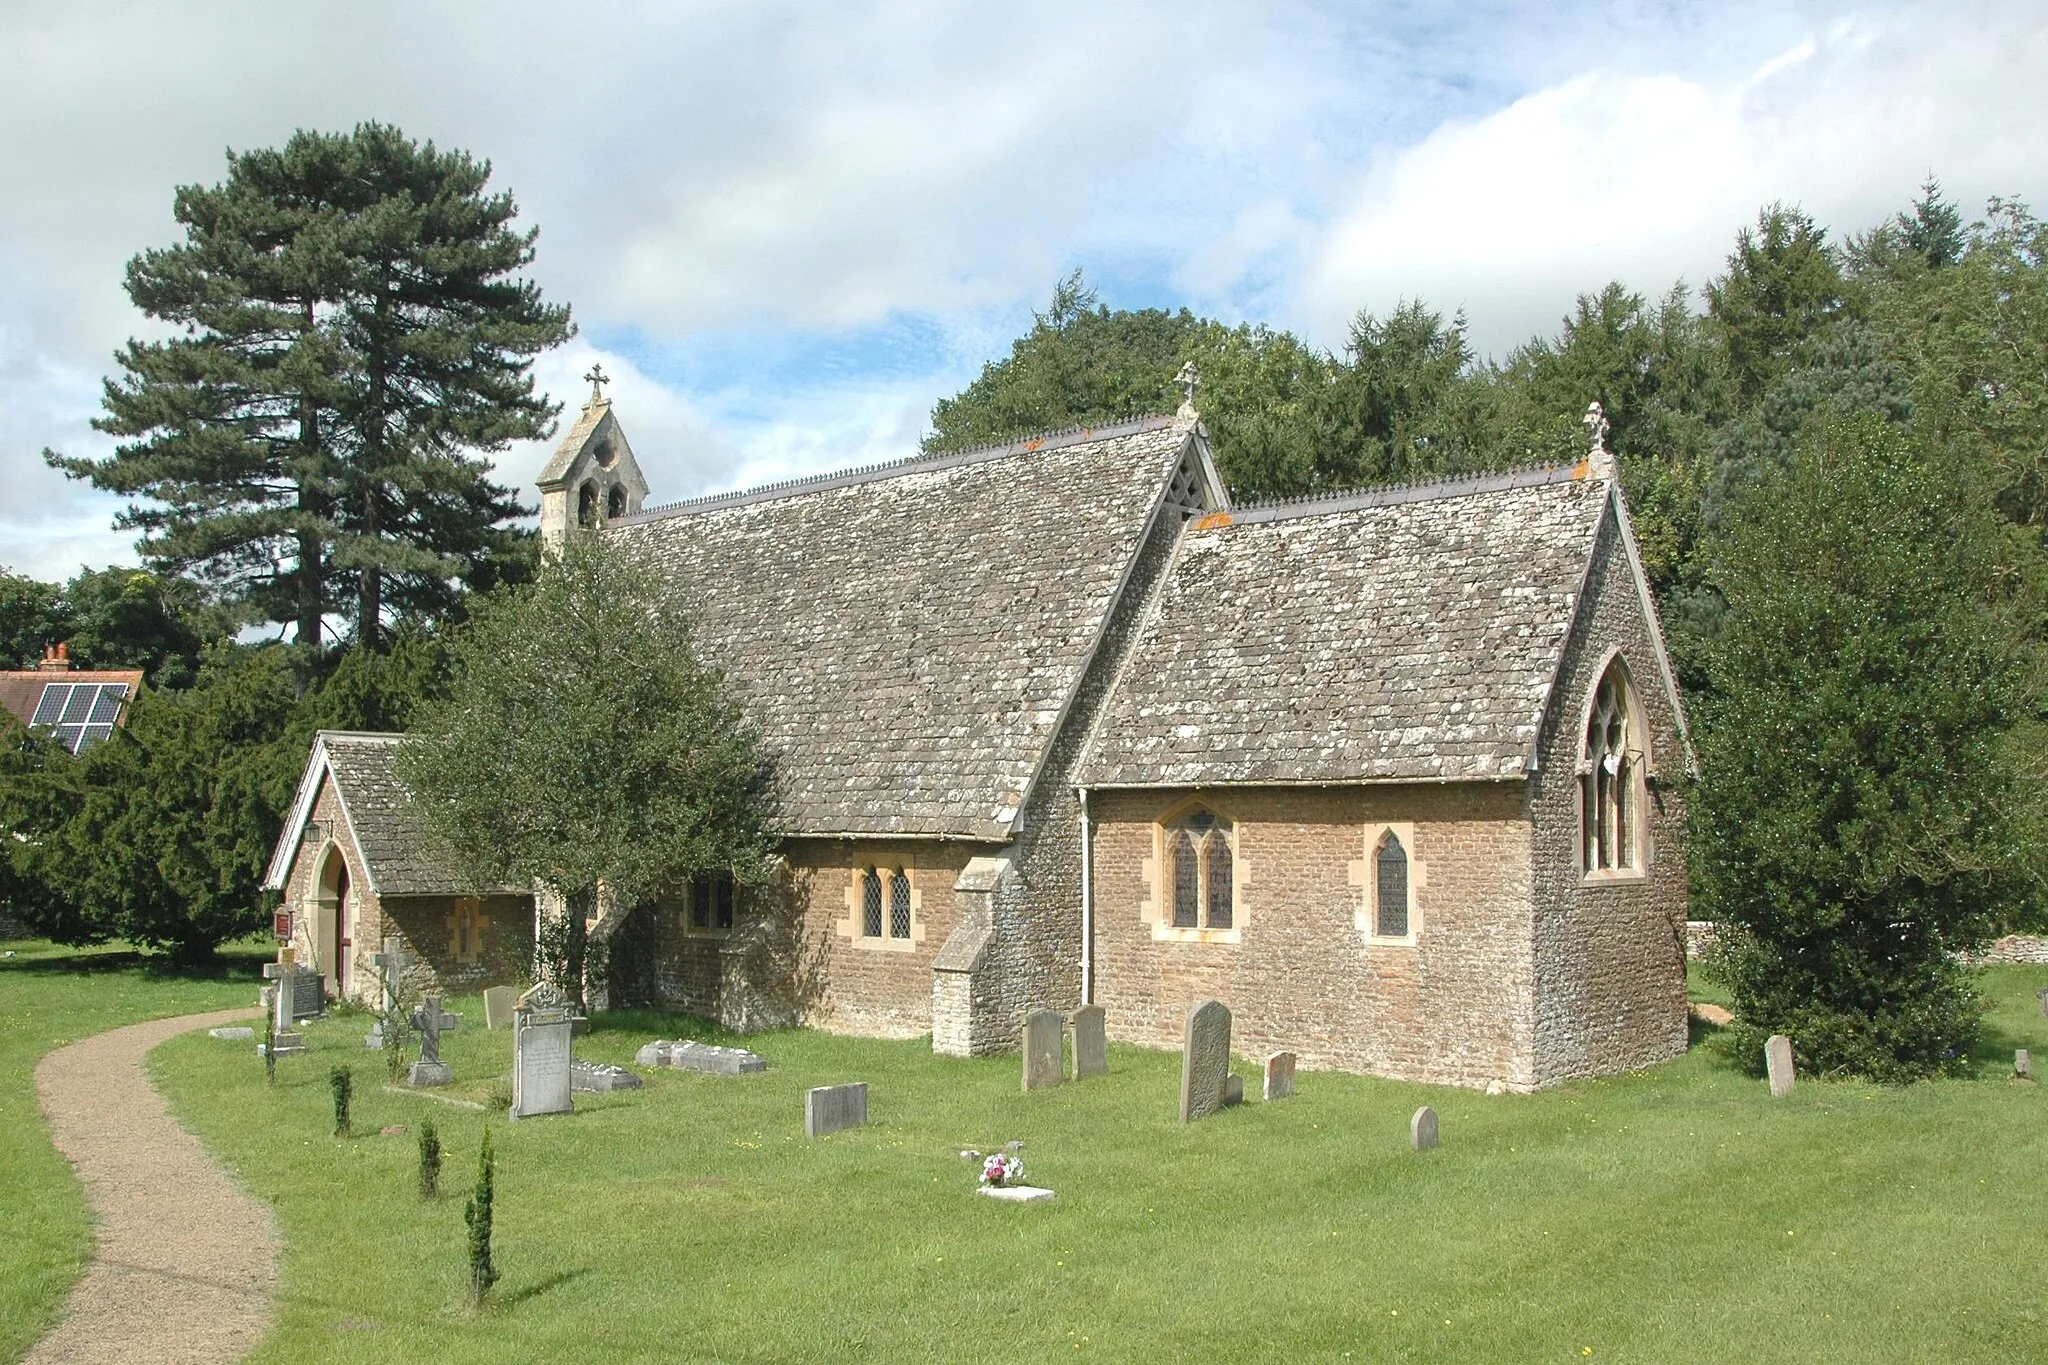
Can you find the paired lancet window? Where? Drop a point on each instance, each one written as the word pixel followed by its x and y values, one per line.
pixel 1199 853
pixel 1610 780
pixel 885 903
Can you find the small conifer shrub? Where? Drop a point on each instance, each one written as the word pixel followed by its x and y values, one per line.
pixel 343 1085
pixel 430 1161
pixel 482 1273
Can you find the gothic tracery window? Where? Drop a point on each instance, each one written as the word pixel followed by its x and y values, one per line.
pixel 1203 880
pixel 1609 776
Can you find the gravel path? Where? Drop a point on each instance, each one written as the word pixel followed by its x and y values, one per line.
pixel 185 1259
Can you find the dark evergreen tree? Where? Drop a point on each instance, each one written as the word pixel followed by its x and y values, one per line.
pixel 353 333
pixel 1781 286
pixel 1853 825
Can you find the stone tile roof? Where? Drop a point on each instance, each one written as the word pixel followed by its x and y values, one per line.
pixel 395 849
pixel 571 444
pixel 1401 633
pixel 909 636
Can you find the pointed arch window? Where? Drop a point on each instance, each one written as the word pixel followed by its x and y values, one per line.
pixel 1204 871
pixel 1611 772
pixel 1390 888
pixel 586 504
pixel 615 502
pixel 899 904
pixel 871 903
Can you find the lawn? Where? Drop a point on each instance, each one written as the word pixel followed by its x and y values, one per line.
pixel 50 996
pixel 1676 1214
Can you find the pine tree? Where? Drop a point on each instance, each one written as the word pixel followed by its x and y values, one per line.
pixel 353 333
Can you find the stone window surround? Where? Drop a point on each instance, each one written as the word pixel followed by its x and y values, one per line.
pixel 691 890
pixel 851 928
pixel 1157 908
pixel 1364 874
pixel 1638 742
pixel 470 908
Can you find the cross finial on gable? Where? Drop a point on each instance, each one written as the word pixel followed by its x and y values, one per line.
pixel 1599 458
pixel 598 379
pixel 1188 378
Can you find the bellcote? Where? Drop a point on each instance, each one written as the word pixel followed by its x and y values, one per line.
pixel 592 477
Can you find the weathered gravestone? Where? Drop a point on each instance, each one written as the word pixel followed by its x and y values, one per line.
pixel 829 1108
pixel 542 1071
pixel 1422 1129
pixel 713 1061
pixel 1233 1089
pixel 390 965
pixel 1042 1036
pixel 1204 1060
pixel 2044 1003
pixel 1778 1060
pixel 232 1032
pixel 597 1078
pixel 498 1004
pixel 431 1023
pixel 287 994
pixel 1279 1076
pixel 1091 1042
pixel 2023 1064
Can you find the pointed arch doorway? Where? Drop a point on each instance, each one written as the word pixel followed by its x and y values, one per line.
pixel 331 925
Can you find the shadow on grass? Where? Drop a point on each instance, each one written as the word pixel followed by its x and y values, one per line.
pixel 535 1290
pixel 233 962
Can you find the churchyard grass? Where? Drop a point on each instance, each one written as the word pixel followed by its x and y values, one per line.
pixel 1675 1214
pixel 50 996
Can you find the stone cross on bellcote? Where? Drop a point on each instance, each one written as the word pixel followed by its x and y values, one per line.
pixel 598 379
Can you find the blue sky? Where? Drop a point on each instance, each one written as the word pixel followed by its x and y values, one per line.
pixel 788 228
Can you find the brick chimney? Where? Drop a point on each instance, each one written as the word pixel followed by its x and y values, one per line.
pixel 56 659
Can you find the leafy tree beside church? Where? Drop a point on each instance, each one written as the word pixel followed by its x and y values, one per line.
pixel 582 745
pixel 352 336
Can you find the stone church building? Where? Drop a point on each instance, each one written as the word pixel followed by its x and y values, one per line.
pixel 1393 773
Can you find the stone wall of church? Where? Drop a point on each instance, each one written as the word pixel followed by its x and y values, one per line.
pixel 1034 959
pixel 312 927
pixel 1299 967
pixel 797 952
pixel 1610 956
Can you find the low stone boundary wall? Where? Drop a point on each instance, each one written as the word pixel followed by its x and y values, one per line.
pixel 2027 948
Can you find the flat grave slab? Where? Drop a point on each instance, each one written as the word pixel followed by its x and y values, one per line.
pixel 1016 1194
pixel 598 1078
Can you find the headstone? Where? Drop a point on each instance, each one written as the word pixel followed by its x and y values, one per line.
pixel 431 1023
pixel 390 964
pixel 1016 1194
pixel 542 1070
pixel 829 1108
pixel 1279 1076
pixel 2044 1003
pixel 232 1033
pixel 1091 1042
pixel 714 1061
pixel 596 1078
pixel 1233 1089
pixel 1778 1059
pixel 2023 1064
pixel 1204 1060
pixel 1422 1129
pixel 310 995
pixel 1042 1036
pixel 296 993
pixel 498 1003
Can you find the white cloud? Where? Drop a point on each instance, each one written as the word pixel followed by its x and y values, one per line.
pixel 1644 178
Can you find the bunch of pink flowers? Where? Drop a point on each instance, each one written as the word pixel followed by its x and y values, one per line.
pixel 1002 1169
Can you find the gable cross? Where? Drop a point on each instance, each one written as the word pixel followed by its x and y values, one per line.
pixel 1188 378
pixel 430 1021
pixel 598 379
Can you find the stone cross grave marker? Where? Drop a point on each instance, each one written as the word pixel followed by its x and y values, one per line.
pixel 1204 1060
pixel 390 965
pixel 1778 1060
pixel 543 1074
pixel 1042 1035
pixel 829 1108
pixel 1091 1042
pixel 1422 1129
pixel 431 1023
pixel 498 1003
pixel 1279 1076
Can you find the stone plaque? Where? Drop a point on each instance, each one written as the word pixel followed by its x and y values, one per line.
pixel 1091 1042
pixel 498 1003
pixel 541 1071
pixel 1422 1129
pixel 1042 1037
pixel 829 1108
pixel 1778 1059
pixel 1204 1060
pixel 1279 1076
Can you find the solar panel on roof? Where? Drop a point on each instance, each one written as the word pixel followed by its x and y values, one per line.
pixel 107 709
pixel 79 704
pixel 79 714
pixel 51 704
pixel 90 735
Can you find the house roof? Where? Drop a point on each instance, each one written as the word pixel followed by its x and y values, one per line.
pixel 397 855
pixel 21 690
pixel 1393 634
pixel 910 636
